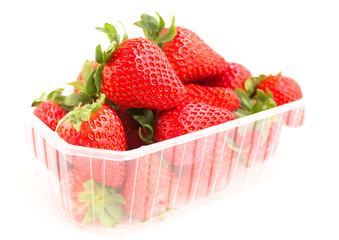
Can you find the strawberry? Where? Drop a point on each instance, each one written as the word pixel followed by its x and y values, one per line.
pixel 149 187
pixel 191 58
pixel 234 76
pixel 133 73
pixel 71 188
pixel 86 200
pixel 185 119
pixel 133 139
pixel 139 75
pixel 212 174
pixel 259 139
pixel 48 109
pixel 214 96
pixel 284 90
pixel 96 126
pixel 258 142
pixel 127 120
pixel 80 77
pixel 50 113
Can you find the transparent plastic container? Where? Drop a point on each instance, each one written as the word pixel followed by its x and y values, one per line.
pixel 203 163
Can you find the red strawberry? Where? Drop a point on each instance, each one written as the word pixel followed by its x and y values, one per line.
pixel 48 108
pixel 234 76
pixel 96 126
pixel 149 187
pixel 186 119
pixel 139 75
pixel 214 96
pixel 283 89
pixel 86 200
pixel 191 58
pixel 258 142
pixel 50 113
pixel 211 175
pixel 133 139
pixel 80 78
pixel 127 120
pixel 71 187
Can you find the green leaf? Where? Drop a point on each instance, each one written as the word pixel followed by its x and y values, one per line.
pixel 97 77
pixel 252 83
pixel 239 113
pixel 99 56
pixel 260 96
pixel 256 108
pixel 148 138
pixel 110 31
pixel 104 30
pixel 231 144
pixel 90 86
pixel 117 198
pixel 125 34
pixel 112 47
pixel 54 94
pixel 168 35
pixel 243 162
pixel 85 114
pixel 161 24
pixel 114 209
pixel 249 85
pixel 86 197
pixel 107 220
pixel 87 70
pixel 245 102
pixel 78 85
pixel 148 23
pixel 72 100
pixel 38 100
pixel 111 28
pixel 88 185
pixel 104 203
pixel 91 215
pixel 75 99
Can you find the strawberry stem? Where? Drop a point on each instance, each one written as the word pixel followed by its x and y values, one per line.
pixel 153 28
pixel 82 113
pixel 147 119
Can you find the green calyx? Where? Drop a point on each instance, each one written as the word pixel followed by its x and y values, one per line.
pixel 152 29
pixel 66 102
pixel 258 103
pixel 82 113
pixel 92 77
pixel 147 120
pixel 55 96
pixel 253 100
pixel 251 84
pixel 105 204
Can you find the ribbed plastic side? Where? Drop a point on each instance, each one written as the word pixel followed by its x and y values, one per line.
pixel 168 178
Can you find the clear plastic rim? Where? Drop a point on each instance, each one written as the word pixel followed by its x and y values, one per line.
pixel 66 148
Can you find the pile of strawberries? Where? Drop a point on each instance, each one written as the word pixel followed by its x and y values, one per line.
pixel 145 90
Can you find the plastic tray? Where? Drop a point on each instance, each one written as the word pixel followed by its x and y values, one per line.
pixel 207 162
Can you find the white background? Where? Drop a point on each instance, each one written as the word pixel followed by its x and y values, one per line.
pixel 44 44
